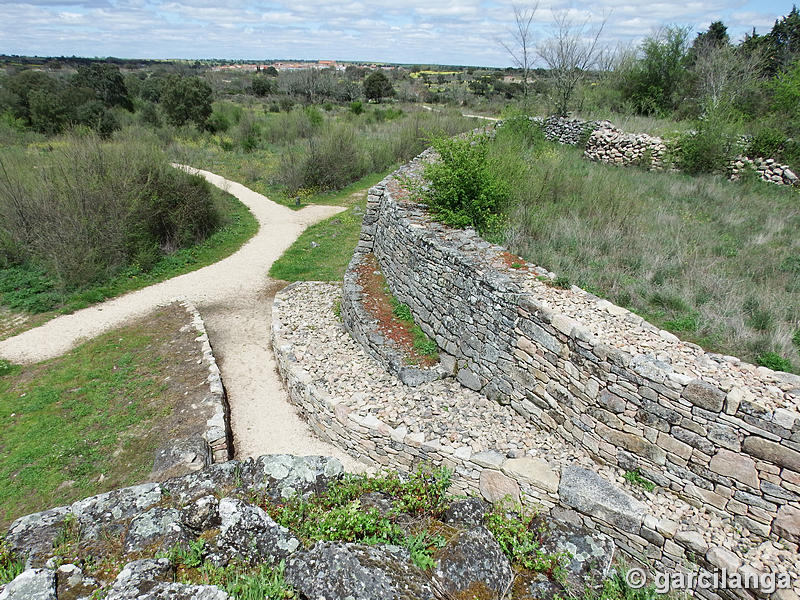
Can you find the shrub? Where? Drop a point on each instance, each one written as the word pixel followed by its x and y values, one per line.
pixel 709 149
pixel 92 208
pixel 766 143
pixel 186 99
pixel 774 361
pixel 357 107
pixel 463 189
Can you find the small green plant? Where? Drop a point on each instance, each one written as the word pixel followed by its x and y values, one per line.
pixel 421 342
pixel 561 282
pixel 519 532
pixel 401 311
pixel 464 190
pixel 337 309
pixel 69 536
pixel 190 556
pixel 7 368
pixel 266 583
pixel 422 547
pixel 635 477
pixel 517 265
pixel 10 565
pixel 774 361
pixel 796 339
pixel 687 322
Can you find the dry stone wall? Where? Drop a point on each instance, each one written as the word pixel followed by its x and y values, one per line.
pixel 608 144
pixel 716 430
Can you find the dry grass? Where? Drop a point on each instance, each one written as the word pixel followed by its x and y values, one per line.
pixel 714 261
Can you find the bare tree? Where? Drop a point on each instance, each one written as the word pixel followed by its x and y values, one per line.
pixel 520 46
pixel 571 51
pixel 725 73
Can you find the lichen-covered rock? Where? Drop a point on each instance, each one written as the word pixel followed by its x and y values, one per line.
pixel 72 584
pixel 282 476
pixel 33 584
pixel 248 533
pixel 157 529
pixel 466 513
pixel 590 553
pixel 106 513
pixel 180 457
pixel 32 536
pixel 152 580
pixel 336 571
pixel 137 578
pixel 473 561
pixel 202 514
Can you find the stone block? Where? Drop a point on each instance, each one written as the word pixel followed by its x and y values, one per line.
pixel 496 487
pixel 534 471
pixel 704 395
pixel 590 494
pixel 772 452
pixel 787 523
pixel 736 466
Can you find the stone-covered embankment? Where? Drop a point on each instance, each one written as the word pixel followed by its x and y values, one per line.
pixel 357 404
pixel 210 416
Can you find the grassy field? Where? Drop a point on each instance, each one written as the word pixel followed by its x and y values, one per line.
pixel 91 420
pixel 322 251
pixel 24 288
pixel 716 262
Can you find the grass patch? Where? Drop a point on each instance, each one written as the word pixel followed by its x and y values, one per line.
pixel 395 320
pixel 89 421
pixel 688 253
pixel 323 251
pixel 30 290
pixel 636 478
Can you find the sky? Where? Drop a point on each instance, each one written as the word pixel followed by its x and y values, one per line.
pixel 459 32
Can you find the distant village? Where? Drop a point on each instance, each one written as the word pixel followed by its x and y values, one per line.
pixel 298 66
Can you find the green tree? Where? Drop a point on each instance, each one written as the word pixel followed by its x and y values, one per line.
pixel 378 86
pixel 186 99
pixel 107 83
pixel 654 82
pixel 784 41
pixel 262 85
pixel 270 71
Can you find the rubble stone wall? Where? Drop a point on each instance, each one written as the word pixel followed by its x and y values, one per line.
pixel 711 428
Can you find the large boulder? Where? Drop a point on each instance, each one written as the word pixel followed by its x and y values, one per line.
pixel 591 553
pixel 588 493
pixel 466 513
pixel 156 529
pixel 336 571
pixel 151 579
pixel 473 564
pixel 248 533
pixel 33 584
pixel 180 457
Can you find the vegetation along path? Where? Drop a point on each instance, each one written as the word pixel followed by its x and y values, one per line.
pixel 235 298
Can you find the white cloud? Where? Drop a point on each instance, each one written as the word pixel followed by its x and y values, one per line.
pixel 428 31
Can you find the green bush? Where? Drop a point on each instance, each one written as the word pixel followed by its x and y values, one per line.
pixel 766 143
pixel 774 361
pixel 463 189
pixel 90 209
pixel 709 149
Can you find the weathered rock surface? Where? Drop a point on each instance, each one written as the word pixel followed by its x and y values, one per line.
pixel 587 492
pixel 72 584
pixel 336 571
pixel 33 584
pixel 473 562
pixel 181 457
pixel 248 533
pixel 591 553
pixel 466 513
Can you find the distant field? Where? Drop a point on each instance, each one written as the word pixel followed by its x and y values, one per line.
pixel 714 261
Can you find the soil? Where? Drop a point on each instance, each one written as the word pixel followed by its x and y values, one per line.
pixel 378 304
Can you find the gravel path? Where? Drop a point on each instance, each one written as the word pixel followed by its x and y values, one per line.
pixel 234 296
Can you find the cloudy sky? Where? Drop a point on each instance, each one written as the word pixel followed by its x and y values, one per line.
pixel 410 31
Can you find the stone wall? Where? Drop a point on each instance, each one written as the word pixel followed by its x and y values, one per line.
pixel 606 143
pixel 568 490
pixel 214 441
pixel 365 330
pixel 724 433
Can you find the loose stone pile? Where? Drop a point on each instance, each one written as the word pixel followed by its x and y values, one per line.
pixel 354 402
pixel 611 145
pixel 766 168
pixel 606 143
